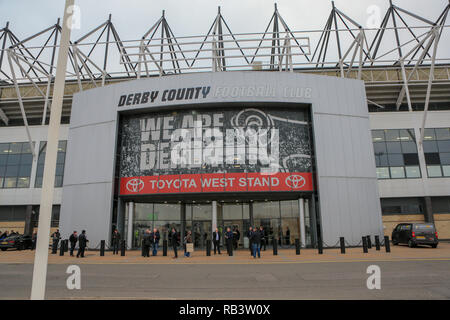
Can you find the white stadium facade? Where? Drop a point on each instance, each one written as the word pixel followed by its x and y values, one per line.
pixel 314 135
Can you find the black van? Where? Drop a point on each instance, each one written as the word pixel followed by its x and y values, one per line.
pixel 414 234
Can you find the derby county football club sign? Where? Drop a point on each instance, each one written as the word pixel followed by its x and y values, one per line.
pixel 231 150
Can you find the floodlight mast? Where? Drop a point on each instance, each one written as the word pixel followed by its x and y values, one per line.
pixel 48 182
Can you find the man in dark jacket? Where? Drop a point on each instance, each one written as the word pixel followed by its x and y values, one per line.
pixel 256 243
pixel 216 240
pixel 116 241
pixel 263 237
pixel 82 243
pixel 174 242
pixel 146 242
pixel 55 237
pixel 155 241
pixel 249 236
pixel 229 241
pixel 73 241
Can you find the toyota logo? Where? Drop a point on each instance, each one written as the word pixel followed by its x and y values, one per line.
pixel 135 185
pixel 295 181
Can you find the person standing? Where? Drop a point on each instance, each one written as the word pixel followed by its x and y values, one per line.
pixel 229 241
pixel 256 243
pixel 155 241
pixel 288 236
pixel 174 242
pixel 73 239
pixel 33 241
pixel 55 237
pixel 263 237
pixel 116 241
pixel 216 240
pixel 82 243
pixel 146 243
pixel 187 239
pixel 249 236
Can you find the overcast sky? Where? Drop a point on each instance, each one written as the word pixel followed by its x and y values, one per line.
pixel 133 18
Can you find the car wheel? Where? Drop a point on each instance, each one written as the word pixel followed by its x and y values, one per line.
pixel 3 249
pixel 434 245
pixel 411 244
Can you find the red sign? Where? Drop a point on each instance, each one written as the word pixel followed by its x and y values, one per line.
pixel 216 182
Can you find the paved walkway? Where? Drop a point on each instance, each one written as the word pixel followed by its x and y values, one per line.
pixel 398 253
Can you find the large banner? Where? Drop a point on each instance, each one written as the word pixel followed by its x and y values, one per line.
pixel 229 150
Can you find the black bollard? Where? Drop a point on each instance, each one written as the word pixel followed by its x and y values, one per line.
pixel 320 245
pixel 364 243
pixel 297 246
pixel 377 243
pixel 208 248
pixel 275 246
pixel 66 245
pixel 122 248
pixel 165 248
pixel 102 248
pixel 61 248
pixel 387 244
pixel 369 242
pixel 342 241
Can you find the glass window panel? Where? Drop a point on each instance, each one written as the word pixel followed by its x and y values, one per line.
pixel 23 182
pixel 38 182
pixel 26 158
pixel 379 148
pixel 430 146
pixel 58 181
pixel 166 211
pixel 40 171
pixel 201 211
pixel 2 171
pixel 409 147
pixel 266 209
pixel 411 159
pixel 60 158
pixel 246 211
pixel 232 211
pixel 12 171
pixel 62 145
pixel 392 135
pixel 429 134
pixel 395 160
pixel 4 148
pixel 446 170
pixel 3 159
pixel 1 186
pixel 444 146
pixel 14 159
pixel 289 208
pixel 443 133
pixel 432 158
pixel 41 159
pixel 16 147
pixel 24 171
pixel 383 173
pixel 10 182
pixel 26 147
pixel 434 171
pixel 445 158
pixel 377 135
pixel 412 172
pixel 397 172
pixel 407 135
pixel 59 169
pixel 393 147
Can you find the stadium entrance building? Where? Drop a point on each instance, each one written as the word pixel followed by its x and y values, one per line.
pixel 289 152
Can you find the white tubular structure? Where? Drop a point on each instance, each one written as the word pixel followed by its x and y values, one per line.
pixel 48 182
